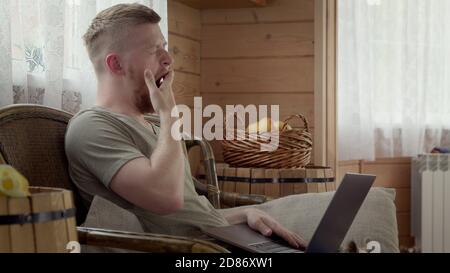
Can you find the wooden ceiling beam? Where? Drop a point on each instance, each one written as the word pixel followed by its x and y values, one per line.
pixel 223 4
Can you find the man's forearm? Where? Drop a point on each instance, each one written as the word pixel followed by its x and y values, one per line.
pixel 168 157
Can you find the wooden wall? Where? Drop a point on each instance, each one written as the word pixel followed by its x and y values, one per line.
pixel 184 45
pixel 245 56
pixel 263 56
pixel 260 56
pixel 391 173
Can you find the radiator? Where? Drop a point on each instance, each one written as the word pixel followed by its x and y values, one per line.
pixel 430 202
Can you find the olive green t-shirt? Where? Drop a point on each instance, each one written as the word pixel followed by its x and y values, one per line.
pixel 99 142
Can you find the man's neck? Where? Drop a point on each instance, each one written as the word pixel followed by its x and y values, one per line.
pixel 117 101
pixel 123 109
pixel 112 96
pixel 118 107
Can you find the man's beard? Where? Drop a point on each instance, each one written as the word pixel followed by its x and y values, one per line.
pixel 142 100
pixel 141 93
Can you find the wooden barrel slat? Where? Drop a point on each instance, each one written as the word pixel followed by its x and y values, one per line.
pixel 5 241
pixel 237 180
pixel 243 187
pixel 70 222
pixel 22 236
pixel 300 188
pixel 313 187
pixel 43 237
pixel 331 186
pixel 51 237
pixel 292 188
pixel 272 189
pixel 257 188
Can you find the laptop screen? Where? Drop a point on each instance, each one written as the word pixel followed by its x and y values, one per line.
pixel 340 213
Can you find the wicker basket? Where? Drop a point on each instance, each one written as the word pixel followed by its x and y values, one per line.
pixel 294 149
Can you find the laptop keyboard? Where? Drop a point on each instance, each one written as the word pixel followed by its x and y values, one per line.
pixel 274 247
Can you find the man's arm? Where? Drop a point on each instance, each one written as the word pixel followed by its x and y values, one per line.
pixel 156 183
pixel 264 223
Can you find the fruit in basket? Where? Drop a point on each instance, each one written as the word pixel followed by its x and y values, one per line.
pixel 263 125
pixel 12 183
pixel 266 125
pixel 281 126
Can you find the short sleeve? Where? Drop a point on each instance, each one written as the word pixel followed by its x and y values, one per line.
pixel 100 146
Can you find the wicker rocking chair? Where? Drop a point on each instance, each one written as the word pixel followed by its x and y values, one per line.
pixel 32 140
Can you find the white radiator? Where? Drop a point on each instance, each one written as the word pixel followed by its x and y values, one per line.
pixel 430 202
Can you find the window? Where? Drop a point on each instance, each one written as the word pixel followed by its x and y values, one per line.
pixel 393 84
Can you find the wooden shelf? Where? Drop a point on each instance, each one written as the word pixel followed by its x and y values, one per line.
pixel 223 4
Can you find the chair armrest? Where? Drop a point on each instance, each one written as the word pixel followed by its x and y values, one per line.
pixel 145 242
pixel 212 190
pixel 234 199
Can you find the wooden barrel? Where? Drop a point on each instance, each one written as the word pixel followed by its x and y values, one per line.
pixel 273 182
pixel 41 223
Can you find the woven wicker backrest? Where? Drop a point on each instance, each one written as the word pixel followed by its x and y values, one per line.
pixel 32 141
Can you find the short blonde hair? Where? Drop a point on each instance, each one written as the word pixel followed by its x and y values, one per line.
pixel 114 23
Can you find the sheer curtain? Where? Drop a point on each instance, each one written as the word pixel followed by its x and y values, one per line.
pixel 393 77
pixel 42 56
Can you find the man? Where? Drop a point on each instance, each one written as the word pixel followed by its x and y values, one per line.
pixel 114 153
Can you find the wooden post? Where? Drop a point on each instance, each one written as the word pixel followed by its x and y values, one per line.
pixel 325 94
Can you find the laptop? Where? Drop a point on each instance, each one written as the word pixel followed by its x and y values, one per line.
pixel 330 232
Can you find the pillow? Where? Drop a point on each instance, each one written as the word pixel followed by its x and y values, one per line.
pixel 107 215
pixel 375 221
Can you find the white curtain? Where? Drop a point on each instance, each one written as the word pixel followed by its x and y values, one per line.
pixel 42 55
pixel 393 77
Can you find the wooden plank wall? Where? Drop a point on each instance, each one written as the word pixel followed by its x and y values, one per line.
pixel 391 173
pixel 184 46
pixel 260 56
pixel 263 56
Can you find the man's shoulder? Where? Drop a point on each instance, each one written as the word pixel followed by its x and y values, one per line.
pixel 88 123
pixel 92 115
pixel 93 120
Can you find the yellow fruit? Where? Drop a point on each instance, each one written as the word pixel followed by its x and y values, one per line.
pixel 262 126
pixel 266 125
pixel 12 183
pixel 281 126
pixel 278 125
pixel 252 128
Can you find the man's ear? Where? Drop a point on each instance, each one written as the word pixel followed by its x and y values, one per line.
pixel 113 64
